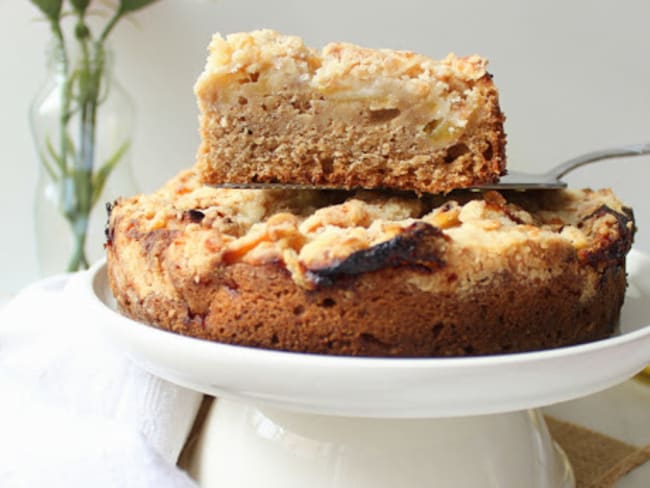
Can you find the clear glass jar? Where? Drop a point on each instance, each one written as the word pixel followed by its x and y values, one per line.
pixel 82 124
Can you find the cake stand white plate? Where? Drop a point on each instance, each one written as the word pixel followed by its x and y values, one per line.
pixel 378 387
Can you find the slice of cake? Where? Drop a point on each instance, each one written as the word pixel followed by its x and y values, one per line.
pixel 274 110
pixel 366 273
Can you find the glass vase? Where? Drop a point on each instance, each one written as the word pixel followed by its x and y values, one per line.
pixel 82 125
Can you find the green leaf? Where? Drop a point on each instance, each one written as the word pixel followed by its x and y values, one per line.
pixel 80 6
pixel 100 177
pixel 50 8
pixel 48 166
pixel 71 151
pixel 53 154
pixel 127 6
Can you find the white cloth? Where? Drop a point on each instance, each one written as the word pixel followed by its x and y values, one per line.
pixel 73 410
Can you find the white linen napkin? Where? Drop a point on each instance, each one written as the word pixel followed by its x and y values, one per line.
pixel 73 410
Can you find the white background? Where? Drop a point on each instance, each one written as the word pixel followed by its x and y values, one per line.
pixel 573 76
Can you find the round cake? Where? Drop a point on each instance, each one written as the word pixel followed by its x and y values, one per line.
pixel 369 273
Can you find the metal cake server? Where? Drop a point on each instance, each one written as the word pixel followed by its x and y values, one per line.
pixel 513 180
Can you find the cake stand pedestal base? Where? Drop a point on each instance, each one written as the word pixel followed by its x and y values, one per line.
pixel 248 446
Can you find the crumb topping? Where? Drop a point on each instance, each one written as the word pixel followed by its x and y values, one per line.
pixel 311 230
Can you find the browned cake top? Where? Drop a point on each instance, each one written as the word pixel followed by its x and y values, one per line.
pixel 318 236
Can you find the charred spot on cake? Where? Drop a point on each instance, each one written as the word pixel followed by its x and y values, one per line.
pixel 415 248
pixel 195 216
pixel 629 214
pixel 611 247
pixel 109 231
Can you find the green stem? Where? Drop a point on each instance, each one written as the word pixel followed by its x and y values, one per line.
pixel 68 200
pixel 90 78
pixel 78 260
pixel 110 25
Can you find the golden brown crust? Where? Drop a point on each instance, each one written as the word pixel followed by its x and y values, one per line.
pixel 274 110
pixel 382 314
pixel 370 274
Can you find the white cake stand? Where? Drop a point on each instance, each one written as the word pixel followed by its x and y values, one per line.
pixel 298 420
